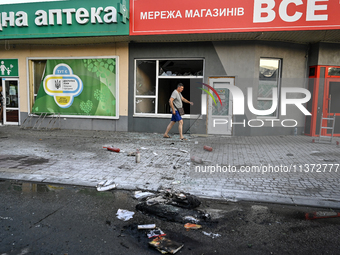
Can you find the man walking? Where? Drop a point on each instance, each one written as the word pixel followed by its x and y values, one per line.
pixel 176 102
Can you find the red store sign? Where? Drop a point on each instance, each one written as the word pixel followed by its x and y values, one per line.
pixel 219 16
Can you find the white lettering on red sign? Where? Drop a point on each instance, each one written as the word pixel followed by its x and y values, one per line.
pixel 198 13
pixel 263 11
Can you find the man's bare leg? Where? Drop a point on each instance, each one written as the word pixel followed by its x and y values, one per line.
pixel 180 129
pixel 171 124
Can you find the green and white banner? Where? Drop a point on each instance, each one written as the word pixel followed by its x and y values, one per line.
pixel 85 87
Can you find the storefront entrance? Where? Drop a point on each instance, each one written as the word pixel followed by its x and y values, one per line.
pixel 332 104
pixel 220 115
pixel 10 101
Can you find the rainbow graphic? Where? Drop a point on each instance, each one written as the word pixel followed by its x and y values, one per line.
pixel 211 95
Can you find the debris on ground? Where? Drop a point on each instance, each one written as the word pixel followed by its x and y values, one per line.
pixel 212 235
pixel 192 226
pixel 137 156
pixel 321 215
pixel 106 185
pixel 140 194
pixel 207 148
pixel 133 154
pixel 196 160
pixel 176 182
pixel 172 213
pixel 111 148
pixel 124 215
pixel 157 232
pixel 5 218
pixel 165 245
pixel 174 206
pixel 191 219
pixel 147 226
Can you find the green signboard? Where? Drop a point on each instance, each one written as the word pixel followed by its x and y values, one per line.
pixel 9 68
pixel 86 87
pixel 64 19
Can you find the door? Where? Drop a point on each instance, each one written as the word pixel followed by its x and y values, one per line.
pixel 10 87
pixel 220 115
pixel 332 105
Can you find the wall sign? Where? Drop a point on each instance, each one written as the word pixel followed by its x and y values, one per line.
pixel 64 18
pixel 9 68
pixel 81 87
pixel 218 16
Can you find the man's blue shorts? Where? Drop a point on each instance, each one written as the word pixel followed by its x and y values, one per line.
pixel 176 117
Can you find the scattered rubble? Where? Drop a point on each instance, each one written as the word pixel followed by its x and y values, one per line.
pixel 155 233
pixel 165 245
pixel 147 226
pixel 124 215
pixel 192 226
pixel 212 235
pixel 207 148
pixel 321 215
pixel 106 185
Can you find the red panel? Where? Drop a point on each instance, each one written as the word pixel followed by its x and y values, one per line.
pixel 216 16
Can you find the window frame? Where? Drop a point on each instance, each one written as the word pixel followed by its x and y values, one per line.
pixel 135 96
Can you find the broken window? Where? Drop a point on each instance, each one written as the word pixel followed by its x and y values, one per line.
pixel 155 80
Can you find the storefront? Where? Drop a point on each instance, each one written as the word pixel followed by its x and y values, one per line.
pixel 256 55
pixel 10 93
pixel 71 64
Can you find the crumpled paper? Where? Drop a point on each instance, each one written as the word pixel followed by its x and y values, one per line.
pixel 124 215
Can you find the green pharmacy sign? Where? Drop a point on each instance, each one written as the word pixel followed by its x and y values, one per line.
pixel 72 18
pixel 9 68
pixel 81 87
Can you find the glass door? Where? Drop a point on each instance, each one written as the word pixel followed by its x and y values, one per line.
pixel 332 105
pixel 10 87
pixel 220 115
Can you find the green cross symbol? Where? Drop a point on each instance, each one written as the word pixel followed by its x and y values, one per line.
pixel 123 10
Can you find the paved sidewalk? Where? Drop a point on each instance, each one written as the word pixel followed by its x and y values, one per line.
pixel 282 169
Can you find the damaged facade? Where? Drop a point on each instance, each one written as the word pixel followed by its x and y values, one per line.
pixel 137 58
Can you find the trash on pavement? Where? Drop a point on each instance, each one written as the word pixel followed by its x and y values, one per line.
pixel 155 233
pixel 124 215
pixel 133 154
pixel 147 226
pixel 192 226
pixel 156 200
pixel 106 185
pixel 212 235
pixel 183 151
pixel 141 194
pixel 154 153
pixel 137 156
pixel 172 213
pixel 196 159
pixel 207 148
pixel 111 148
pixel 191 219
pixel 176 182
pixel 321 215
pixel 5 218
pixel 165 245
